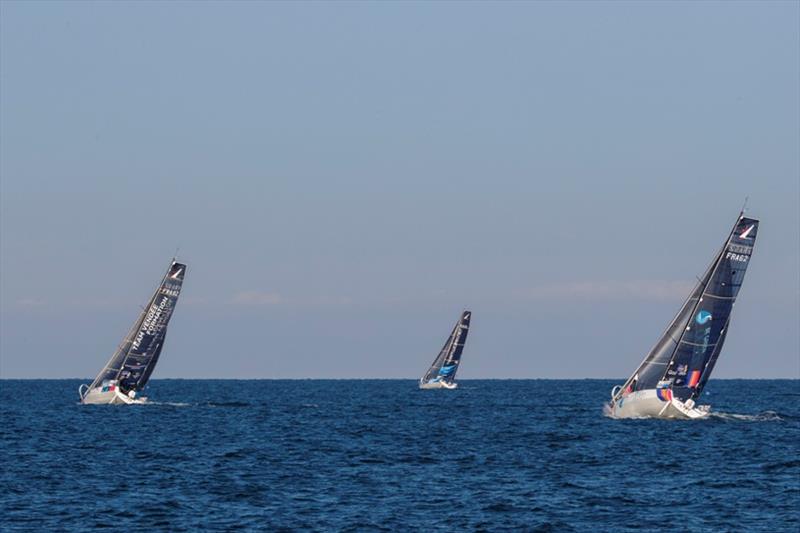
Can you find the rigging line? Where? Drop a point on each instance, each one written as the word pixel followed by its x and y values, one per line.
pixel 698 344
pixel 708 294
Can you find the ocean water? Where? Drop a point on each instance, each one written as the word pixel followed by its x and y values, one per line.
pixel 361 455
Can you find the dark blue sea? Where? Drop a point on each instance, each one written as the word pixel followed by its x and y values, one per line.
pixel 381 455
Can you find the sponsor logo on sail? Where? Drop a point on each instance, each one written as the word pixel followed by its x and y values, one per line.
pixel 155 318
pixel 746 233
pixel 445 370
pixel 702 317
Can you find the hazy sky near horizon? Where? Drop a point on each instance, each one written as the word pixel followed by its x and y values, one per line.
pixel 343 178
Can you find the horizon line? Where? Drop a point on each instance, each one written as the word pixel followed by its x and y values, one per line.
pixel 388 379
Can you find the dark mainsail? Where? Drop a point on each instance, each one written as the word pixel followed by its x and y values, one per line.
pixel 445 365
pixel 134 361
pixel 686 353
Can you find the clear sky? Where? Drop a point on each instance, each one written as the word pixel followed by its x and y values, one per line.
pixel 344 178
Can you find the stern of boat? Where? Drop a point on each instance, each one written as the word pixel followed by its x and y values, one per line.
pixel 655 403
pixel 107 393
pixel 437 385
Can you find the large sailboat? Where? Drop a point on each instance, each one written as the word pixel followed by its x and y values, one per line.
pixel 129 369
pixel 442 373
pixel 669 381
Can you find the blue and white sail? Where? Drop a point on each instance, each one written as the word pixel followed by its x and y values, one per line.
pixel 442 373
pixel 672 376
pixel 127 372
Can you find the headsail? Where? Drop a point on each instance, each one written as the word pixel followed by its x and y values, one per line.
pixel 445 365
pixel 686 353
pixel 136 357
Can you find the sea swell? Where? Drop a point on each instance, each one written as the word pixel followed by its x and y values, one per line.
pixel 383 455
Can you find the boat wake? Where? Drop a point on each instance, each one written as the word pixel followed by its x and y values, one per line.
pixel 227 404
pixel 169 404
pixel 765 416
pixel 196 404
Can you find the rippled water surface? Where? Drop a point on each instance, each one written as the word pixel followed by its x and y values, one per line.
pixel 383 455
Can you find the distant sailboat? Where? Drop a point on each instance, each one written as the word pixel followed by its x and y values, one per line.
pixel 671 378
pixel 442 373
pixel 129 369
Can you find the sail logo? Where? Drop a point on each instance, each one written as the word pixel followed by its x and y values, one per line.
pixel 664 394
pixel 446 370
pixel 740 249
pixel 702 317
pixel 746 233
pixel 151 322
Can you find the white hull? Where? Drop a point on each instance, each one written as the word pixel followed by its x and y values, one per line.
pixel 437 385
pixel 647 404
pixel 114 397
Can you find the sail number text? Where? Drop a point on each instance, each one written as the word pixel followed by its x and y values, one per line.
pixel 737 252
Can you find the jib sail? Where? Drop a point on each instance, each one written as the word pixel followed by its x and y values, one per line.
pixel 686 353
pixel 134 361
pixel 445 365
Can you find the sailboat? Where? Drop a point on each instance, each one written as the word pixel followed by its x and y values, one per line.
pixel 442 373
pixel 668 383
pixel 127 372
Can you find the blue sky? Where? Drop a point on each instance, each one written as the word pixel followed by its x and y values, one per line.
pixel 344 178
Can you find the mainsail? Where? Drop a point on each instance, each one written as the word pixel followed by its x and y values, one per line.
pixel 137 355
pixel 685 355
pixel 445 365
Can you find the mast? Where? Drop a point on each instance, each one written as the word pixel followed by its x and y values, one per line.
pixel 114 365
pixel 441 356
pixel 656 356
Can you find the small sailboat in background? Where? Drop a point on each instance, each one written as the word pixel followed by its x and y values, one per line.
pixel 129 369
pixel 442 373
pixel 671 378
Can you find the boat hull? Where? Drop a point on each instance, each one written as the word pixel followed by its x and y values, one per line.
pixel 648 404
pixel 438 385
pixel 109 397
